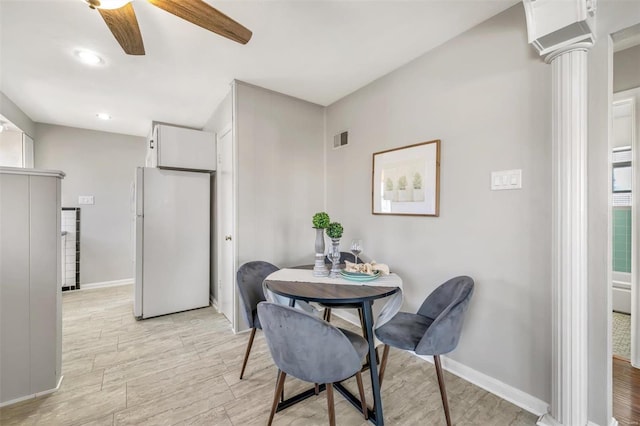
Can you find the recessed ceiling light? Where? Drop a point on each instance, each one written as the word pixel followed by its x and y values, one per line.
pixel 103 116
pixel 107 4
pixel 88 57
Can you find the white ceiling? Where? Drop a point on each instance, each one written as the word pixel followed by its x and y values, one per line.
pixel 319 51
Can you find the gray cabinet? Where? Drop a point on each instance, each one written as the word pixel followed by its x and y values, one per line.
pixel 30 281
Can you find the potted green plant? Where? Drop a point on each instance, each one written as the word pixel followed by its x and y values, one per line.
pixel 418 193
pixel 320 223
pixel 321 220
pixel 334 231
pixel 388 189
pixel 404 193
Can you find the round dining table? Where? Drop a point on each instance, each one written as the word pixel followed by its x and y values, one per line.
pixel 300 285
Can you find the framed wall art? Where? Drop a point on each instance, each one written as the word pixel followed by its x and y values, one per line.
pixel 406 180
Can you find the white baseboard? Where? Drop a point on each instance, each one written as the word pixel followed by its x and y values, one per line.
pixel 547 420
pixel 613 422
pixel 214 302
pixel 104 284
pixel 32 396
pixel 490 384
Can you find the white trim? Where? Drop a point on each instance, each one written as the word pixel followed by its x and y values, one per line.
pixel 547 420
pixel 33 395
pixel 104 284
pixel 31 172
pixel 508 393
pixel 632 295
pixel 613 422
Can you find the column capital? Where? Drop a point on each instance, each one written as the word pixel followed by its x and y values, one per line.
pixel 583 45
pixel 554 25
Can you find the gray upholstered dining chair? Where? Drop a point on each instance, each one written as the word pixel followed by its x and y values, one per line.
pixel 310 349
pixel 434 330
pixel 249 280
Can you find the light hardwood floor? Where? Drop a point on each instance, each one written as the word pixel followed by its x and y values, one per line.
pixel 183 369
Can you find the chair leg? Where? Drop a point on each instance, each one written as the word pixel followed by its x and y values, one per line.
pixel 330 406
pixel 443 391
pixel 363 401
pixel 327 314
pixel 281 390
pixel 246 354
pixel 280 386
pixel 383 364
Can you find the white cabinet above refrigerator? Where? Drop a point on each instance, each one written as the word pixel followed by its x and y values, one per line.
pixel 174 147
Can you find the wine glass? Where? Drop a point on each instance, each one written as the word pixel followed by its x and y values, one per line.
pixel 356 248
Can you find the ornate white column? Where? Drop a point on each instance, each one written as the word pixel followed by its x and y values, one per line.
pixel 569 264
pixel 561 31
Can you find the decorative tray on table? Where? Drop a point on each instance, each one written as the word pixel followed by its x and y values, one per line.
pixel 359 276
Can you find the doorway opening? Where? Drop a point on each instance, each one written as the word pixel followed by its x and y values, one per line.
pixel 625 223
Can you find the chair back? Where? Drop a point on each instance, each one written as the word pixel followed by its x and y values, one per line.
pixel 306 347
pixel 249 280
pixel 446 306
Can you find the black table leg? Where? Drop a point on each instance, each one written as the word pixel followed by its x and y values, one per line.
pixel 373 364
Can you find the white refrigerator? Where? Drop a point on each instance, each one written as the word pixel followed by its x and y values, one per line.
pixel 172 241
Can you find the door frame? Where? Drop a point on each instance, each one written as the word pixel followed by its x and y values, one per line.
pixel 632 95
pixel 220 234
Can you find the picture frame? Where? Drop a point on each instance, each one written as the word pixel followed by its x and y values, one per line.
pixel 406 181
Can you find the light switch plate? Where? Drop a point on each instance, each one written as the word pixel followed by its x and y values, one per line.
pixel 506 179
pixel 85 199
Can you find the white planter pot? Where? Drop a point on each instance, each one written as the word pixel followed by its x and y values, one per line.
pixel 405 195
pixel 418 194
pixel 389 195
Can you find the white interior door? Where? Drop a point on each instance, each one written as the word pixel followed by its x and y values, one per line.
pixel 225 218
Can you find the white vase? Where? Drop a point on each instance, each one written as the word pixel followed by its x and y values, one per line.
pixel 418 194
pixel 319 268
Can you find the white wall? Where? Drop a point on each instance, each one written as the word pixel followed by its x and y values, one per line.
pixel 222 115
pixel 103 165
pixel 611 17
pixel 626 69
pixel 486 95
pixel 14 114
pixel 11 149
pixel 280 175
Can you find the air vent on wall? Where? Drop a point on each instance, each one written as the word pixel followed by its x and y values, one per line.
pixel 340 140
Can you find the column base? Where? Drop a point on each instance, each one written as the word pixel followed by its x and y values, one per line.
pixel 547 420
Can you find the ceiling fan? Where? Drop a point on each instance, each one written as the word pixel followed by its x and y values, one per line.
pixel 121 20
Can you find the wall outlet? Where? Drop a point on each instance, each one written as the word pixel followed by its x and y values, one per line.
pixel 85 199
pixel 506 179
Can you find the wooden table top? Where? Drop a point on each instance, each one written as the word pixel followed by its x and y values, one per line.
pixel 329 293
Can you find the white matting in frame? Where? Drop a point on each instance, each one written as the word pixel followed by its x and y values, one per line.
pixel 406 180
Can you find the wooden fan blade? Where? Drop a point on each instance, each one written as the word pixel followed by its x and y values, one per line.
pixel 124 26
pixel 200 13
